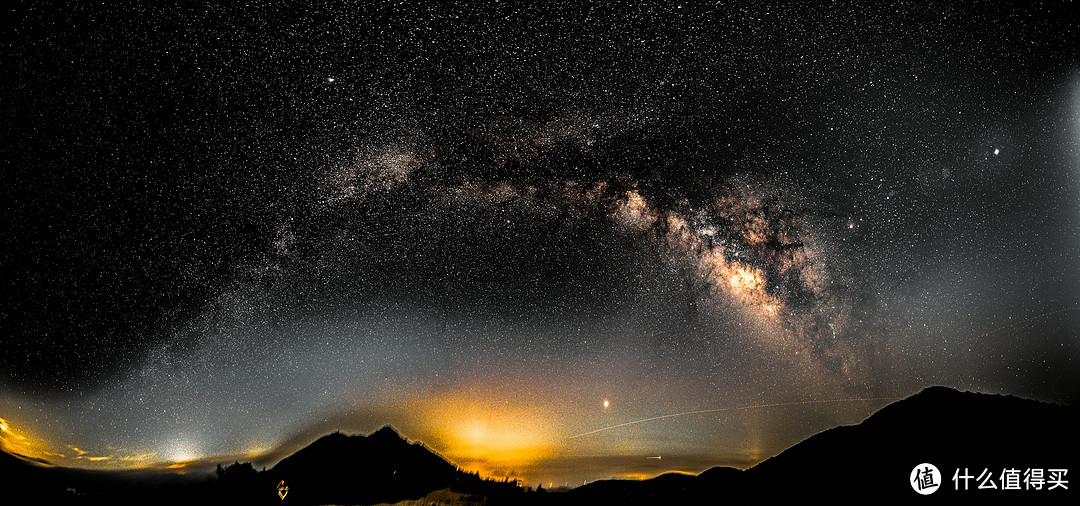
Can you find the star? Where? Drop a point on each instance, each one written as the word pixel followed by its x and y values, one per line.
pixel 546 201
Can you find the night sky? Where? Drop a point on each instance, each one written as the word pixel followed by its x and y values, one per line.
pixel 527 235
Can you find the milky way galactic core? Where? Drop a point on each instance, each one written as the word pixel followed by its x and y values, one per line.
pixel 557 243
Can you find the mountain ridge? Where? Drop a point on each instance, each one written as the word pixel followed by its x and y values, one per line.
pixel 874 458
pixel 951 429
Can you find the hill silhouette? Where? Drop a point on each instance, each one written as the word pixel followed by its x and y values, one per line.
pixel 341 469
pixel 950 429
pixel 872 460
pixel 382 467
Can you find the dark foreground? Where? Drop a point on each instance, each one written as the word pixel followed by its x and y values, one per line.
pixel 1018 446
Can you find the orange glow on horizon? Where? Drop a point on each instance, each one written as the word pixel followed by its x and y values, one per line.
pixel 651 475
pixel 22 442
pixel 488 436
pixel 19 442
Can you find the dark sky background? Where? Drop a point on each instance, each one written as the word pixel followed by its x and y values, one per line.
pixel 516 232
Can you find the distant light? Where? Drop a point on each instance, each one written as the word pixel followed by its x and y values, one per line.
pixel 996 151
pixel 182 450
pixel 330 79
pixel 606 404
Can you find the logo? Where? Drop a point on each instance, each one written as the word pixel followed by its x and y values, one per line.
pixel 925 479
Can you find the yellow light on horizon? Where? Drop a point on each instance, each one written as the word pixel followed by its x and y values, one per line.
pixel 488 436
pixel 20 442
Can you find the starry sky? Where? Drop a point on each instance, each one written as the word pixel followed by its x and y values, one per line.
pixel 551 242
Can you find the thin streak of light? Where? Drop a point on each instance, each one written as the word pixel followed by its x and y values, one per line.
pixel 649 420
pixel 738 408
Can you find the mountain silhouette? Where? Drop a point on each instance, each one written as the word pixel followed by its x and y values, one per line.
pixel 335 469
pixel 952 430
pixel 873 460
pixel 382 467
pixel 955 431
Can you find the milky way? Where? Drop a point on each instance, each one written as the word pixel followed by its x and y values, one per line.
pixel 548 242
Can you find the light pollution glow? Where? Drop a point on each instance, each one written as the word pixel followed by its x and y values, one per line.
pixel 496 437
pixel 554 244
pixel 531 424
